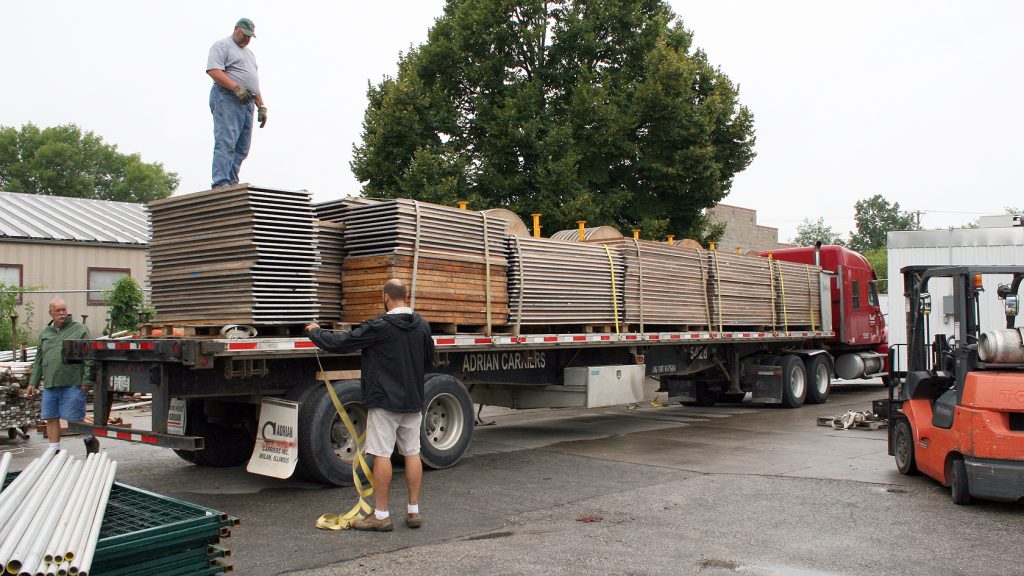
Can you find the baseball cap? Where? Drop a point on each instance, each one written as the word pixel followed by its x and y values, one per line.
pixel 248 28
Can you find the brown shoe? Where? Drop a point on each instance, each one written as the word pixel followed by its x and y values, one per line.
pixel 413 520
pixel 372 523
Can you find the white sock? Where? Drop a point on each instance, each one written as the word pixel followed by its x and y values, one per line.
pixel 413 508
pixel 55 446
pixel 379 515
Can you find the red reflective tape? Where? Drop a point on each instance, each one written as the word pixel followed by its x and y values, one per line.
pixel 729 336
pixel 147 346
pixel 305 344
pixel 551 339
pixel 482 341
pixel 122 346
pixel 97 345
pixel 677 336
pixel 243 346
pixel 630 336
pixel 606 337
pixel 149 439
pixel 579 338
pixel 654 337
pixel 694 335
pixel 445 340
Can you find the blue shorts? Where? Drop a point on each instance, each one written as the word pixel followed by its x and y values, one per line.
pixel 67 402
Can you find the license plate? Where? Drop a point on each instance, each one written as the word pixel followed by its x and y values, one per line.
pixel 120 383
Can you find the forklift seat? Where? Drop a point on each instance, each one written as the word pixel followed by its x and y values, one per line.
pixel 922 384
pixel 943 409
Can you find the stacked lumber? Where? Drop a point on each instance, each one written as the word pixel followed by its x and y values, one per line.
pixel 233 255
pixel 741 290
pixel 665 284
pixel 798 298
pixel 552 282
pixel 453 261
pixel 329 241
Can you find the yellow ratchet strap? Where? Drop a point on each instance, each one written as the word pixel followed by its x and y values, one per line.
pixel 362 508
pixel 615 296
pixel 810 299
pixel 782 287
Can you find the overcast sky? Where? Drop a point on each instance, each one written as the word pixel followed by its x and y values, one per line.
pixel 920 101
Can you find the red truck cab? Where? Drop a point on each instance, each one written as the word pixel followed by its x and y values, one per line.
pixel 860 344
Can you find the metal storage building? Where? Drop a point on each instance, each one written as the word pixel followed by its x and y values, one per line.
pixel 1002 244
pixel 70 247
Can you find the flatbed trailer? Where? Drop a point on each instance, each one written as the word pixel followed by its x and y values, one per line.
pixel 222 382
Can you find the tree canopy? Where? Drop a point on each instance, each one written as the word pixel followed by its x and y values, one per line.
pixel 64 161
pixel 810 231
pixel 875 217
pixel 599 110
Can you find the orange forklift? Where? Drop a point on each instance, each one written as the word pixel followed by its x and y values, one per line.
pixel 959 414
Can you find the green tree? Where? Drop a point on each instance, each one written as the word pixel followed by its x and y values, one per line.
pixel 9 296
pixel 598 110
pixel 64 161
pixel 811 231
pixel 875 217
pixel 879 260
pixel 127 306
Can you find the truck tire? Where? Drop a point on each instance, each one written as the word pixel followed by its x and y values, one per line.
pixel 228 440
pixel 903 447
pixel 819 378
pixel 958 483
pixel 447 421
pixel 326 449
pixel 794 381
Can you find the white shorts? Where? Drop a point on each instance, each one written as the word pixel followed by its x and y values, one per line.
pixel 383 428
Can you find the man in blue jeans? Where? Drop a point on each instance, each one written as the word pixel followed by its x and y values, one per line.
pixel 64 384
pixel 235 92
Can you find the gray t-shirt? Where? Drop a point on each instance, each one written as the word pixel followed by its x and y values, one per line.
pixel 237 62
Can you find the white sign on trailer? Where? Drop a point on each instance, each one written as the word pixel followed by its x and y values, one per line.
pixel 276 451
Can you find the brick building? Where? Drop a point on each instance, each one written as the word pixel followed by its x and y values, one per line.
pixel 742 230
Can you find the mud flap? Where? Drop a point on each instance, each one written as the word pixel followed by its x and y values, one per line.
pixel 766 382
pixel 277 450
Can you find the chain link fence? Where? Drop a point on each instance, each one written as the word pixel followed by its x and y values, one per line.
pixel 32 310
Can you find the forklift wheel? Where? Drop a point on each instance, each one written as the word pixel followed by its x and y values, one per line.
pixel 903 447
pixel 958 482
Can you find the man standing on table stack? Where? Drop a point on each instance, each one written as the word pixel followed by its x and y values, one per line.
pixel 235 92
pixel 397 349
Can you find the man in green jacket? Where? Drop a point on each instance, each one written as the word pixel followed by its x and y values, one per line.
pixel 64 385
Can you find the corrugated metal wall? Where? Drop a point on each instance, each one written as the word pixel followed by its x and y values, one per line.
pixel 981 246
pixel 59 267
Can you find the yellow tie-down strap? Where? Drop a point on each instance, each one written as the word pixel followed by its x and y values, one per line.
pixel 362 508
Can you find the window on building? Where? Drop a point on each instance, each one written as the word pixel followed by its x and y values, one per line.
pixel 855 294
pixel 101 280
pixel 12 275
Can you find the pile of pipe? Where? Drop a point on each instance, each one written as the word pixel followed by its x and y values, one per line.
pixel 50 515
pixel 11 356
pixel 17 408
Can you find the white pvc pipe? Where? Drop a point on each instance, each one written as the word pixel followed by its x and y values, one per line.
pixel 5 463
pixel 18 520
pixel 85 519
pixel 14 495
pixel 44 532
pixel 17 544
pixel 85 561
pixel 63 567
pixel 74 520
pixel 53 551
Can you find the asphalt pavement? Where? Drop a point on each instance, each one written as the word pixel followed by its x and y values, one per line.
pixel 733 489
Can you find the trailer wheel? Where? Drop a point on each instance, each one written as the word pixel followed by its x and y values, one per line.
pixel 819 374
pixel 326 449
pixel 227 439
pixel 794 381
pixel 903 447
pixel 958 483
pixel 447 421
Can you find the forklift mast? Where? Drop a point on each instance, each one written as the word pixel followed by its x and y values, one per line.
pixel 960 358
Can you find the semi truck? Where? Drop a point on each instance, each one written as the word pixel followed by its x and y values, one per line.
pixel 207 390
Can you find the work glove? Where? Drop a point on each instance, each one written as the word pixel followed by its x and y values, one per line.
pixel 261 115
pixel 242 93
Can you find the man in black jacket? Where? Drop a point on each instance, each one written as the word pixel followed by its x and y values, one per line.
pixel 396 351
